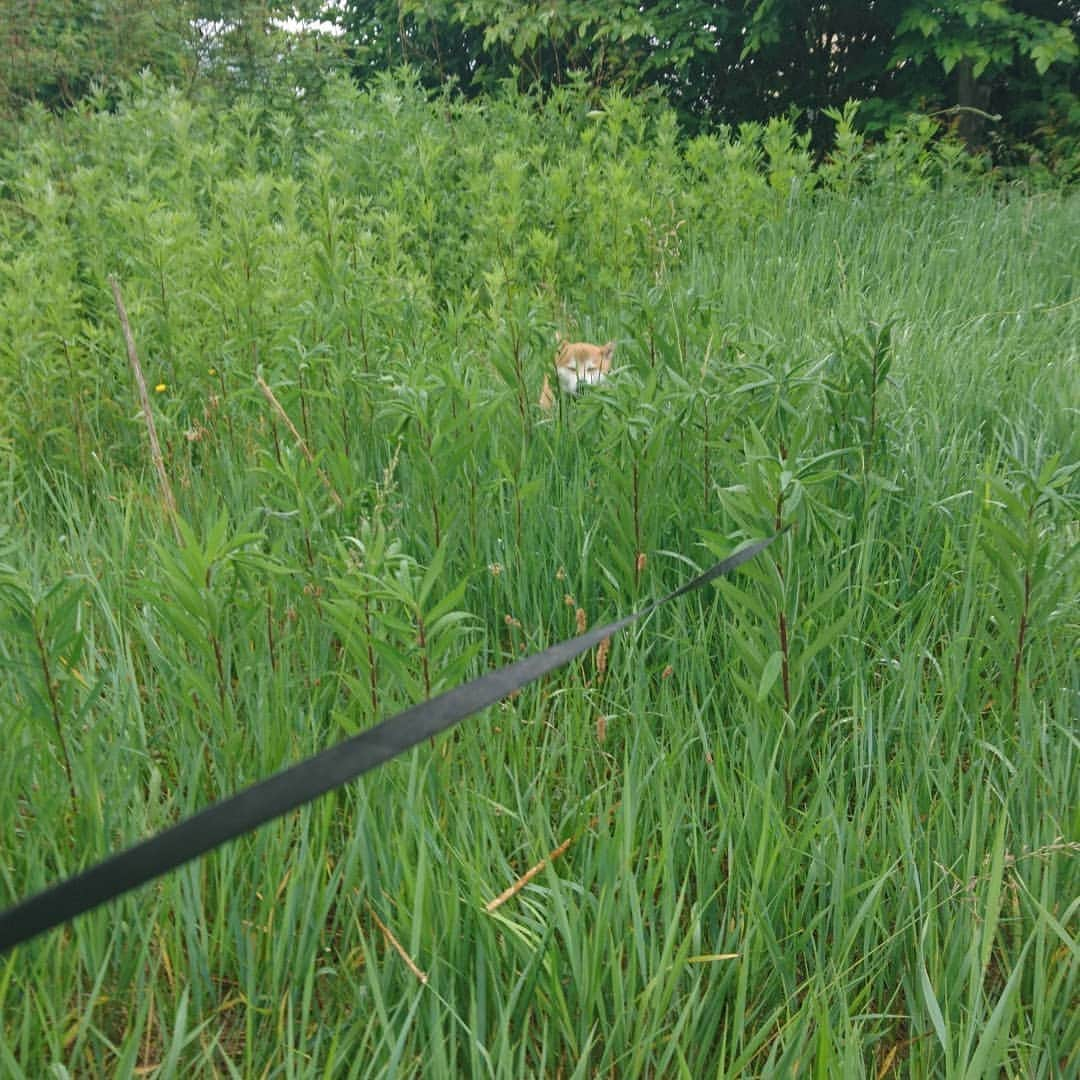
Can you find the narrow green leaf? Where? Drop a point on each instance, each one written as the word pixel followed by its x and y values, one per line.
pixel 769 675
pixel 983 1061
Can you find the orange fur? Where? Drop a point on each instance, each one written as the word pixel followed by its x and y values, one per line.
pixel 578 362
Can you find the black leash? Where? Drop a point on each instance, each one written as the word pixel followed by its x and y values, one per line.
pixel 299 784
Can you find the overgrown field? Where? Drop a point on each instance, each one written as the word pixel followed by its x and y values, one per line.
pixel 821 817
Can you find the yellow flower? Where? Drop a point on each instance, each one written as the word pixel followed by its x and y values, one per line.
pixel 160 388
pixel 213 371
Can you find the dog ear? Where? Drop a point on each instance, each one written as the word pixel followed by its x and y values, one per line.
pixel 609 349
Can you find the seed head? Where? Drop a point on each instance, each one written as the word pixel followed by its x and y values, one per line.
pixel 602 651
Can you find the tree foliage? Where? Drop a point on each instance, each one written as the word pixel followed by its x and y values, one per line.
pixel 272 48
pixel 751 59
pixel 1004 72
pixel 55 51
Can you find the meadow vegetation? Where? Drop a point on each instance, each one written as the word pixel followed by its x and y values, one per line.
pixel 822 817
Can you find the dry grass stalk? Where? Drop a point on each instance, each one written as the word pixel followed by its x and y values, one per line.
pixel 529 874
pixel 144 399
pixel 398 948
pixel 299 439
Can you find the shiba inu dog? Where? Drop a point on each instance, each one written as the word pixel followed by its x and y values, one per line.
pixel 578 362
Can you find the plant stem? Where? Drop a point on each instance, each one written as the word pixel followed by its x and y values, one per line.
pixel 54 706
pixel 705 463
pixel 219 662
pixel 270 631
pixel 637 514
pixel 785 676
pixel 373 677
pixel 144 398
pixel 1020 639
pixel 785 670
pixel 269 395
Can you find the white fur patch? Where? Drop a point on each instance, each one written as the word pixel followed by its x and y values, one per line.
pixel 571 376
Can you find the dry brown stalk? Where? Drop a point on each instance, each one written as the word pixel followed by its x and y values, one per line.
pixel 529 874
pixel 525 878
pixel 144 399
pixel 299 439
pixel 421 975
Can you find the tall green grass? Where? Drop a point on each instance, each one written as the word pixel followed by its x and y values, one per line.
pixel 821 819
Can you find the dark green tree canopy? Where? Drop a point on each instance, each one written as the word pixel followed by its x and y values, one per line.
pixel 1005 72
pixel 749 59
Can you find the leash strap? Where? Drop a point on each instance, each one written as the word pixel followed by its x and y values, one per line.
pixel 292 787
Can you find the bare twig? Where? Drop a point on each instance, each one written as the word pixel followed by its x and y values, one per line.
pixel 956 110
pixel 144 399
pixel 298 438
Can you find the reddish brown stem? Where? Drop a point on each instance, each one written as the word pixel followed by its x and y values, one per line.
pixel 1020 639
pixel 784 673
pixel 54 706
pixel 373 677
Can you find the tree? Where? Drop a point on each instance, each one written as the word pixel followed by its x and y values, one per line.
pixel 716 63
pixel 273 48
pixel 964 57
pixel 997 51
pixel 54 51
pixel 748 59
